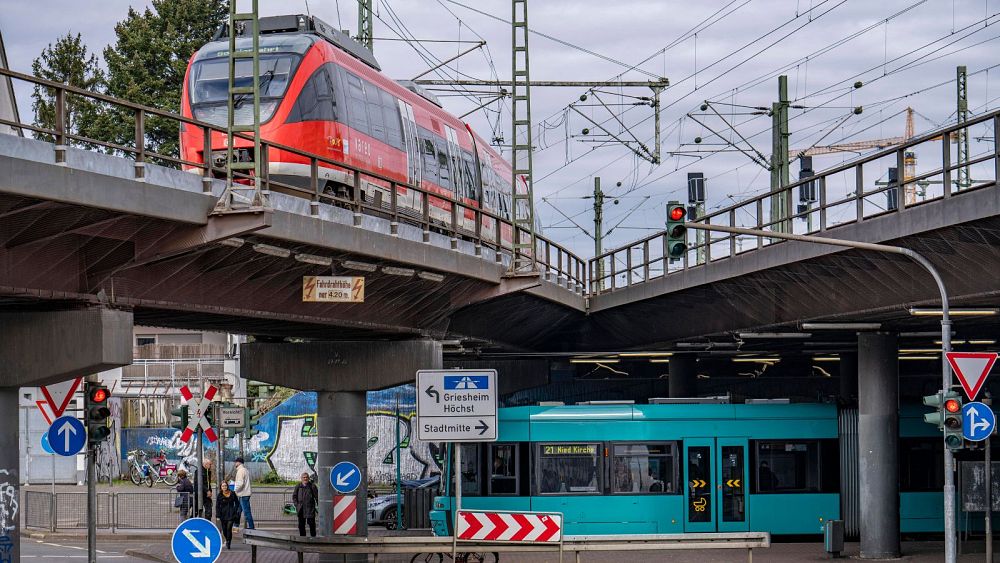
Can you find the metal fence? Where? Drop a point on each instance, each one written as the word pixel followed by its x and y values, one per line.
pixel 154 510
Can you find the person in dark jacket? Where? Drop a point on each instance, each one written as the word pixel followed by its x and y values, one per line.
pixel 306 497
pixel 185 494
pixel 227 507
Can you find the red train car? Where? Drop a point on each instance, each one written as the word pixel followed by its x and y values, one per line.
pixel 324 93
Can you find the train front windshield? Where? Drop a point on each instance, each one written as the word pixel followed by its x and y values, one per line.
pixel 210 85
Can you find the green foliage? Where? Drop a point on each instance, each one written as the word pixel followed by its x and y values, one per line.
pixel 272 478
pixel 67 61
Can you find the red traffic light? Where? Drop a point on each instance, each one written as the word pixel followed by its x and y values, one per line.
pixel 677 213
pixel 99 395
pixel 952 406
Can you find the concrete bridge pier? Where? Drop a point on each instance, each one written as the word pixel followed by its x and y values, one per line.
pixel 340 373
pixel 39 348
pixel 878 443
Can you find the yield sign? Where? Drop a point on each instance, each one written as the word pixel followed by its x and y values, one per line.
pixel 972 369
pixel 59 394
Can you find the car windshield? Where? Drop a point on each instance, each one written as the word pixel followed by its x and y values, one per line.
pixel 210 77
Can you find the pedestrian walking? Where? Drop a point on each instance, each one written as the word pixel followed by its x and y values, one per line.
pixel 243 491
pixel 227 507
pixel 306 497
pixel 206 479
pixel 185 492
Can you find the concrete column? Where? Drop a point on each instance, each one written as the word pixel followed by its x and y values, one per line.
pixel 342 427
pixel 878 442
pixel 848 376
pixel 683 375
pixel 10 498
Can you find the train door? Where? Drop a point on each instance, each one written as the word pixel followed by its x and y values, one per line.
pixel 413 157
pixel 715 471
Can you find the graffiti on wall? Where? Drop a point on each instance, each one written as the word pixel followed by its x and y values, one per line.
pixel 8 514
pixel 294 449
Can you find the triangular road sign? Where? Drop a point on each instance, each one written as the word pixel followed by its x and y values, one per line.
pixel 42 406
pixel 58 395
pixel 972 368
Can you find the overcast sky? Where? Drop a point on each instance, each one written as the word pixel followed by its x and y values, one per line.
pixel 731 60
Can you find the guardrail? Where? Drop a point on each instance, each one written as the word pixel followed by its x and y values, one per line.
pixel 466 220
pixel 153 510
pixel 849 193
pixel 577 545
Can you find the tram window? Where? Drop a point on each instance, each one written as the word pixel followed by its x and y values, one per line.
pixel 375 118
pixel 787 467
pixel 358 111
pixel 316 101
pixel 470 469
pixel 503 471
pixel 644 468
pixel 920 465
pixel 393 125
pixel 568 469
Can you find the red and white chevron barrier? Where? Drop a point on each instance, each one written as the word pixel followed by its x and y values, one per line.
pixel 345 514
pixel 529 527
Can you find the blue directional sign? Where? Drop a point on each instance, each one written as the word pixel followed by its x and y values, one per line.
pixel 345 477
pixel 45 443
pixel 67 436
pixel 196 540
pixel 978 421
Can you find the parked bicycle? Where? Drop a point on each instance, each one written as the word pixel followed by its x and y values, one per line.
pixel 460 557
pixel 143 469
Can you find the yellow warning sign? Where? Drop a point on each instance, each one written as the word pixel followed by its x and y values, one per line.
pixel 333 289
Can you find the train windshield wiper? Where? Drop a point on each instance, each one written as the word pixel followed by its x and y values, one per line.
pixel 265 81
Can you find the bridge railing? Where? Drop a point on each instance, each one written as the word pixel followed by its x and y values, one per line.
pixel 927 168
pixel 372 193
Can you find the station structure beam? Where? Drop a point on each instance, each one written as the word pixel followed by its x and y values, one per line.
pixel 878 443
pixel 682 375
pixel 340 373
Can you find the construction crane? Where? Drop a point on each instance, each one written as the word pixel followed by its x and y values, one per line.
pixel 909 157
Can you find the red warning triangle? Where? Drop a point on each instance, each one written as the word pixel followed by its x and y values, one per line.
pixel 59 395
pixel 972 368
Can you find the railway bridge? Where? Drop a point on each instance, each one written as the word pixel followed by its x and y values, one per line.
pixel 96 235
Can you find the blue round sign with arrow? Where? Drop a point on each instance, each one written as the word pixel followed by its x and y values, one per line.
pixel 45 443
pixel 67 436
pixel 978 421
pixel 345 477
pixel 196 540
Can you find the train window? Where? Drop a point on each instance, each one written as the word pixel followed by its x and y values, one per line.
pixel 644 468
pixel 444 168
pixel 503 471
pixel 391 116
pixel 920 465
pixel 375 119
pixel 356 103
pixel 316 101
pixel 470 469
pixel 568 469
pixel 429 152
pixel 469 178
pixel 787 467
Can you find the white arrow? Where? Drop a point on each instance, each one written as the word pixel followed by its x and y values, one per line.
pixel 973 414
pixel 67 431
pixel 204 550
pixel 341 478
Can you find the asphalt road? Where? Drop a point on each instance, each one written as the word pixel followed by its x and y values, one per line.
pixel 74 550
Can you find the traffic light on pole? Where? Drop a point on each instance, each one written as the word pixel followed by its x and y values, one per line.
pixel 947 417
pixel 253 417
pixel 676 231
pixel 181 413
pixel 97 412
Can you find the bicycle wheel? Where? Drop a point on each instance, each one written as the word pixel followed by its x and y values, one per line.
pixel 170 479
pixel 135 474
pixel 427 558
pixel 482 557
pixel 149 478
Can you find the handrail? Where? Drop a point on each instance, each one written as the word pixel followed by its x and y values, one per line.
pixel 565 266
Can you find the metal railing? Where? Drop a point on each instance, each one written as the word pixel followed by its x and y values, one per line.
pixel 431 210
pixel 152 510
pixel 837 196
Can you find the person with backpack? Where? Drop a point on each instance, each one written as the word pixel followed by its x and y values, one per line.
pixel 306 497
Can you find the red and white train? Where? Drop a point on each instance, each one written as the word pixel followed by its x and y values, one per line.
pixel 324 93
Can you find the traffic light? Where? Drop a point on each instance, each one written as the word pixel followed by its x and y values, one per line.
pixel 253 417
pixel 676 231
pixel 947 417
pixel 97 412
pixel 181 413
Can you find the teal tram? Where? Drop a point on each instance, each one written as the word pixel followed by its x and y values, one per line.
pixel 679 467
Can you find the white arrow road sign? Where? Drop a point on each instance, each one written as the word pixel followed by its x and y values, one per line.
pixel 344 479
pixel 67 432
pixel 202 550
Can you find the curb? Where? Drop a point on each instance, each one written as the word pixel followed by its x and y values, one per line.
pixel 146 556
pixel 123 537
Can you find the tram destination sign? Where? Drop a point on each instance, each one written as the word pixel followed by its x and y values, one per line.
pixel 457 405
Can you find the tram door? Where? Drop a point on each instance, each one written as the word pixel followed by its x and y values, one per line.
pixel 715 470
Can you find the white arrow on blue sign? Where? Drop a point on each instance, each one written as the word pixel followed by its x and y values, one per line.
pixel 345 477
pixel 67 436
pixel 978 421
pixel 196 540
pixel 45 443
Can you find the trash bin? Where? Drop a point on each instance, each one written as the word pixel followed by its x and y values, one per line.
pixel 833 537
